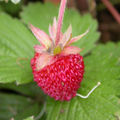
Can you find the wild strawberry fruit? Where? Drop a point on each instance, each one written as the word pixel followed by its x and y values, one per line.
pixel 57 66
pixel 62 78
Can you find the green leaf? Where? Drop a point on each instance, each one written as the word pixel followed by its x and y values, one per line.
pixel 104 103
pixel 30 89
pixel 18 107
pixel 1 9
pixel 16 50
pixel 29 118
pixel 10 7
pixel 42 15
pixel 31 110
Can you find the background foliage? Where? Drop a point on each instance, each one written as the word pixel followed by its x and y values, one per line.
pixel 20 98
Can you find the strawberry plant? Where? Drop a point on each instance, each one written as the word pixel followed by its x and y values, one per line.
pixel 64 66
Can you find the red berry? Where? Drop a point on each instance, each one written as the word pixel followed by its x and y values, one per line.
pixel 62 78
pixel 57 66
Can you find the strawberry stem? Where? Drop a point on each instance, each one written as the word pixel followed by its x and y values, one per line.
pixel 60 19
pixel 98 84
